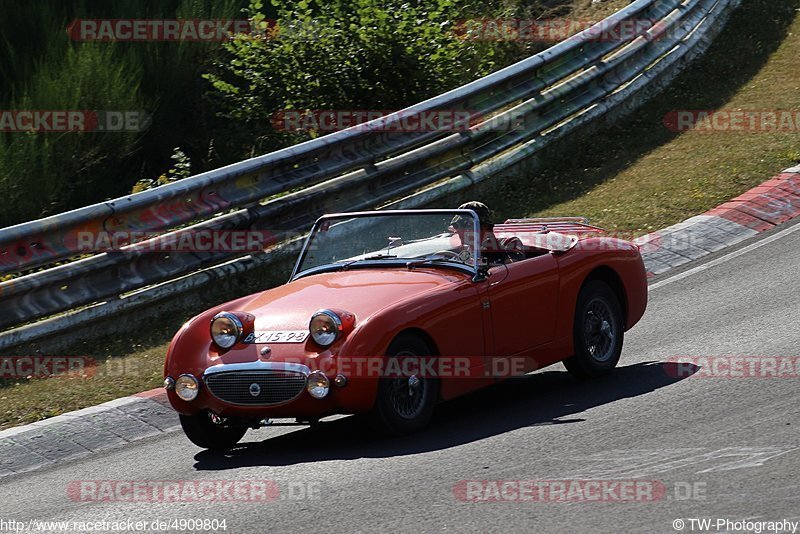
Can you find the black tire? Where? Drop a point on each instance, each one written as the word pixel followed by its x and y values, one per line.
pixel 598 332
pixel 405 404
pixel 205 433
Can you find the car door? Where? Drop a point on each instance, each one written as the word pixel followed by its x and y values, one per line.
pixel 522 302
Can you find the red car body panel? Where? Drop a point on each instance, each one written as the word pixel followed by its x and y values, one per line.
pixel 522 312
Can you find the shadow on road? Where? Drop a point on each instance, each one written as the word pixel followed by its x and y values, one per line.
pixel 544 398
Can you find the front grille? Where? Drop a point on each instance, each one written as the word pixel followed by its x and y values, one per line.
pixel 274 387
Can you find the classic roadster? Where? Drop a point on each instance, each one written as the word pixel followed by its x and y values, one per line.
pixel 389 312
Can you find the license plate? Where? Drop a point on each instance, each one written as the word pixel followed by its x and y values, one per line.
pixel 277 336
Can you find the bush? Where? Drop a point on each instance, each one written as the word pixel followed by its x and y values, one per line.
pixel 345 54
pixel 42 173
pixel 328 54
pixel 46 172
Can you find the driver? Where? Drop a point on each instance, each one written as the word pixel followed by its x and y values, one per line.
pixel 503 250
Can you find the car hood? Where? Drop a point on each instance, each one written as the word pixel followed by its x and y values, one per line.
pixel 361 292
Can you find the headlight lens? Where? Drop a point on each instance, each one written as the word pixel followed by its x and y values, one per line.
pixel 226 330
pixel 325 327
pixel 187 387
pixel 318 385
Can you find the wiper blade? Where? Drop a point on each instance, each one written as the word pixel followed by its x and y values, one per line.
pixel 417 263
pixel 344 266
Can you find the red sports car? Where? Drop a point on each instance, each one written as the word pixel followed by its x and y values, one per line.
pixel 389 312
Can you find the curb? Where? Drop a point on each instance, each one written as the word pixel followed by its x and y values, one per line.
pixel 774 202
pixel 83 432
pixel 128 419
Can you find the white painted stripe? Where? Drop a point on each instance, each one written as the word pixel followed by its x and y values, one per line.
pixel 727 257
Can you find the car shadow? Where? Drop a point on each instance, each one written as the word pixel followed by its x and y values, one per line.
pixel 544 398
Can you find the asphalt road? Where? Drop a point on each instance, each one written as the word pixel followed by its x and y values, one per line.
pixel 718 447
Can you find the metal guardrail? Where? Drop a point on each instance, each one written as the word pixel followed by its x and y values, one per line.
pixel 553 93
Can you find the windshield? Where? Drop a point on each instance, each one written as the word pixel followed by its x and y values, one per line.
pixel 366 239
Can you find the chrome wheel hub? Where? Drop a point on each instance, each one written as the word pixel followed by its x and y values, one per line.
pixel 407 395
pixel 598 330
pixel 413 385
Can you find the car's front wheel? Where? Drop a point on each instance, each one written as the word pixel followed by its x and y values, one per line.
pixel 211 432
pixel 597 331
pixel 405 401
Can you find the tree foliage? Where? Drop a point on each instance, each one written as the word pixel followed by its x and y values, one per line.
pixel 345 54
pixel 43 173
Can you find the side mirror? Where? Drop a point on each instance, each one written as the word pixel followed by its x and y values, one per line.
pixel 482 274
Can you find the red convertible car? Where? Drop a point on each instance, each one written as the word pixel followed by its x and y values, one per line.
pixel 389 312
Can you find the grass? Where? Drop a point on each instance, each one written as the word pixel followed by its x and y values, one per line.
pixel 635 176
pixel 586 10
pixel 43 69
pixel 24 400
pixel 638 176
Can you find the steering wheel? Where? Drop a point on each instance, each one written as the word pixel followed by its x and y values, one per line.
pixel 449 254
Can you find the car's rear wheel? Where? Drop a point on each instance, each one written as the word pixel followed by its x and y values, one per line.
pixel 405 401
pixel 211 432
pixel 598 331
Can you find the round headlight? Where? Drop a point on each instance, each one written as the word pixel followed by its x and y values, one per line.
pixel 325 327
pixel 226 330
pixel 187 387
pixel 318 385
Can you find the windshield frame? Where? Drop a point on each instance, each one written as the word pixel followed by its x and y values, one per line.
pixel 473 269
